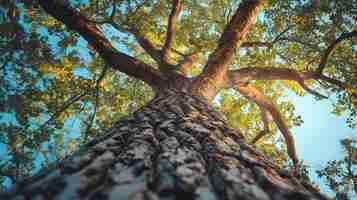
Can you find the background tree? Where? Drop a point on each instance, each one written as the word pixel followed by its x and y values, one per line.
pixel 340 175
pixel 51 81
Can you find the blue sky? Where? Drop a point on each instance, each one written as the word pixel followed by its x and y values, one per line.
pixel 317 139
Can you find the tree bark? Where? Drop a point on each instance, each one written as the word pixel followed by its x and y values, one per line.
pixel 176 147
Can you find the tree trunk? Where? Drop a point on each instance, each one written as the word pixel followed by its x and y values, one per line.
pixel 176 147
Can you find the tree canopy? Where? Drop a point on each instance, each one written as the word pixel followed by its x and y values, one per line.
pixel 339 175
pixel 69 69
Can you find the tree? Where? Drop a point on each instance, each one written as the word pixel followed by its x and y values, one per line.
pixel 176 145
pixel 340 175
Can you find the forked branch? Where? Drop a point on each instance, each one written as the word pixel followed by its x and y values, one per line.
pixel 114 58
pixel 65 106
pixel 171 29
pixel 185 65
pixel 265 44
pixel 244 75
pixel 146 44
pixel 331 49
pixel 125 26
pixel 335 82
pixel 214 73
pixel 263 101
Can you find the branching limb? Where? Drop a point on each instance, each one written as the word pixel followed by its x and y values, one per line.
pixel 171 29
pixel 331 49
pixel 215 71
pixel 129 28
pixel 244 75
pixel 265 44
pixel 265 118
pixel 178 52
pixel 186 64
pixel 74 99
pixel 146 44
pixel 280 39
pixel 335 82
pixel 96 101
pixel 66 105
pixel 263 101
pixel 311 91
pixel 115 59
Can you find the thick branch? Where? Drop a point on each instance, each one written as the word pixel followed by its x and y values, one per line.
pixel 244 75
pixel 319 70
pixel 263 101
pixel 115 59
pixel 129 28
pixel 171 28
pixel 331 48
pixel 214 73
pixel 186 64
pixel 149 48
pixel 147 45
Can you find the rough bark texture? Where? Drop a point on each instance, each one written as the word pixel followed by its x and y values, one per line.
pixel 215 71
pixel 176 147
